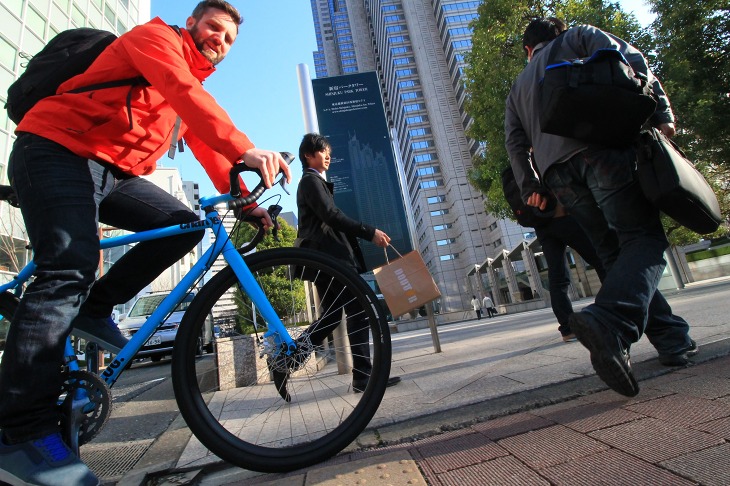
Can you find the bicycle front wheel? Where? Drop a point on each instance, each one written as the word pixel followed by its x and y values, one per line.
pixel 259 408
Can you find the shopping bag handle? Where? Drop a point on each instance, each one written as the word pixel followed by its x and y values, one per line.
pixel 385 251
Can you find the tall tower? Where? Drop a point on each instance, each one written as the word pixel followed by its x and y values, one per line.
pixel 417 49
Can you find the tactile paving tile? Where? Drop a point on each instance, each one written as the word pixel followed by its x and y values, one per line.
pixel 503 471
pixel 708 467
pixel 654 441
pixel 510 425
pixel 709 387
pixel 586 418
pixel 719 427
pixel 611 467
pixel 459 452
pixel 394 469
pixel 551 446
pixel 682 409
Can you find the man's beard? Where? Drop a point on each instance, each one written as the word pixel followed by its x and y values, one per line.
pixel 214 57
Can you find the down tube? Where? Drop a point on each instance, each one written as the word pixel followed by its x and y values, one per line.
pixel 252 288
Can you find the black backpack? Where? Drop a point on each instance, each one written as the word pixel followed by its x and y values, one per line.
pixel 525 215
pixel 69 53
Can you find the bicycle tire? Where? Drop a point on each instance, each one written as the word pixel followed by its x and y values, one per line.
pixel 250 425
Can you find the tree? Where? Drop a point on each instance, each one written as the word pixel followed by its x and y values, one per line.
pixel 286 296
pixel 692 58
pixel 497 57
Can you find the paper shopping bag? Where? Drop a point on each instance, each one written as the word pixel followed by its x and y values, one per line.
pixel 406 283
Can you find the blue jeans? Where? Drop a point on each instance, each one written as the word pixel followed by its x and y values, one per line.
pixel 63 197
pixel 599 188
pixel 554 237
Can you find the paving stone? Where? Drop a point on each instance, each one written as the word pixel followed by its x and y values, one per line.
pixel 551 446
pixel 708 467
pixel 510 425
pixel 682 409
pixel 610 396
pixel 594 416
pixel 720 427
pixel 655 441
pixel 458 452
pixel 503 471
pixel 709 387
pixel 611 467
pixel 719 367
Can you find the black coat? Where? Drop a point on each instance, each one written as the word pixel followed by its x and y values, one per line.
pixel 323 226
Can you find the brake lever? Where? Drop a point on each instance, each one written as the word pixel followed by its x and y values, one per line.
pixel 274 211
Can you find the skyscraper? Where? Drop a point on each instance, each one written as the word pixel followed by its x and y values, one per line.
pixel 417 48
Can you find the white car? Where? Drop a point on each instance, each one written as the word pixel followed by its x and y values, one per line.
pixel 161 342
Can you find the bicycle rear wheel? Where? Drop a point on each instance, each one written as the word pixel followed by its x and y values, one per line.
pixel 228 398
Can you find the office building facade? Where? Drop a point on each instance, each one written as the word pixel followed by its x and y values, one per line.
pixel 26 27
pixel 417 49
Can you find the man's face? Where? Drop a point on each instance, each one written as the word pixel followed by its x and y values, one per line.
pixel 214 34
pixel 319 161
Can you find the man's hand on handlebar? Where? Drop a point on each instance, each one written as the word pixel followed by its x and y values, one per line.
pixel 263 214
pixel 269 163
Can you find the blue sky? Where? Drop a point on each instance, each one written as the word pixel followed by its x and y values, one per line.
pixel 257 82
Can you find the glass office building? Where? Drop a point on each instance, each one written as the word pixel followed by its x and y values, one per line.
pixel 26 27
pixel 417 48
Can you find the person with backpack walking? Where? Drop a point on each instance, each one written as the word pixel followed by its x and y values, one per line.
pixel 598 186
pixel 77 161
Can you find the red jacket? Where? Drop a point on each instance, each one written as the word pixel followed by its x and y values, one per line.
pixel 96 124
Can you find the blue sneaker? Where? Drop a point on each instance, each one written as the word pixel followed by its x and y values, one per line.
pixel 101 330
pixel 47 461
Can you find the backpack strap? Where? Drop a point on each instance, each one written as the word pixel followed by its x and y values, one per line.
pixel 131 82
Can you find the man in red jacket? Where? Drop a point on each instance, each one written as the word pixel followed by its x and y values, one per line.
pixel 76 162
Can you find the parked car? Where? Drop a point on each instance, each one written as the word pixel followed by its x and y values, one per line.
pixel 161 342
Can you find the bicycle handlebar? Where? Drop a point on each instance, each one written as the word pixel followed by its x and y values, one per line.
pixel 239 201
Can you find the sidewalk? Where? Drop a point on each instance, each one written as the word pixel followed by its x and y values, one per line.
pixel 513 404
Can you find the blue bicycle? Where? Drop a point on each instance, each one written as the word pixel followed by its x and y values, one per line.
pixel 275 393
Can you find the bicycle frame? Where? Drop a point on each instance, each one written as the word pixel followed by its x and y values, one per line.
pixel 222 246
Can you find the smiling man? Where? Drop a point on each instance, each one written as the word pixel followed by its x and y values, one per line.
pixel 76 162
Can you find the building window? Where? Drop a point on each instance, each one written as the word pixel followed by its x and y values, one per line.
pixel 442 227
pixel 421 145
pixel 429 171
pixel 447 241
pixel 436 199
pixel 418 159
pixel 403 60
pixel 439 212
pixel 419 132
pixel 452 256
pixel 413 107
